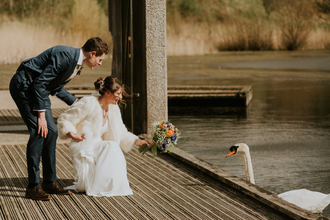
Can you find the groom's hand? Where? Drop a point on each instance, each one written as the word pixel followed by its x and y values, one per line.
pixel 77 137
pixel 42 124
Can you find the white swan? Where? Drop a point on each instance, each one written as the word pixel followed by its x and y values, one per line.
pixel 243 149
pixel 312 201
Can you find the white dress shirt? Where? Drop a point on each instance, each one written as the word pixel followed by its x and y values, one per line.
pixel 78 67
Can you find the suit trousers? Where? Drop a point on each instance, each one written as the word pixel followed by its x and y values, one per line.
pixel 21 91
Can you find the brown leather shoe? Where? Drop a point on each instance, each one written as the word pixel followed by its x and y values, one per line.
pixel 54 188
pixel 36 193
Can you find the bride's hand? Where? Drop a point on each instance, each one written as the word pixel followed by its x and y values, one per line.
pixel 77 137
pixel 141 142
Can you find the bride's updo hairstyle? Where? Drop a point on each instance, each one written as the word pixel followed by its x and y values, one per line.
pixel 112 84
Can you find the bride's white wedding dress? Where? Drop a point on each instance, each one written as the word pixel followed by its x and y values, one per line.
pixel 100 166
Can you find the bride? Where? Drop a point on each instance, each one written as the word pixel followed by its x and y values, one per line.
pixel 98 137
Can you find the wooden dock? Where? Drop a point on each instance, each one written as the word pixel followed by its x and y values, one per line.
pixel 176 186
pixel 209 100
pixel 192 96
pixel 211 96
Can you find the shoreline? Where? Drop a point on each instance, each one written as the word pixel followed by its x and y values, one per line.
pixel 218 65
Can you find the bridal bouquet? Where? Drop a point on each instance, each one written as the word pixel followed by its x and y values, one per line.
pixel 164 139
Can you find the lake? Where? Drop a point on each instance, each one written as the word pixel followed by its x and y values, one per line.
pixel 286 126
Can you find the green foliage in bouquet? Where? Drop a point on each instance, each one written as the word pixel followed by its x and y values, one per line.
pixel 164 139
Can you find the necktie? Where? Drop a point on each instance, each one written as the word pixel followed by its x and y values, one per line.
pixel 80 70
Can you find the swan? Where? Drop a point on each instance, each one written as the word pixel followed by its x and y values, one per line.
pixel 310 200
pixel 243 149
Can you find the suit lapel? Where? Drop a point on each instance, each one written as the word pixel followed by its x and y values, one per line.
pixel 59 81
pixel 72 66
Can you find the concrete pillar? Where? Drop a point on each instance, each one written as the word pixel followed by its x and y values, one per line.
pixel 156 62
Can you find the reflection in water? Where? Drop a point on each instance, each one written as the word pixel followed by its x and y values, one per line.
pixel 287 128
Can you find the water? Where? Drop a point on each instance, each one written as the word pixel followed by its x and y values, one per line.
pixel 286 126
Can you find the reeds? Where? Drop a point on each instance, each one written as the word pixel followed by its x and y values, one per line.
pixel 253 34
pixel 199 39
pixel 20 41
pixel 249 25
pixel 191 39
pixel 26 35
pixel 27 27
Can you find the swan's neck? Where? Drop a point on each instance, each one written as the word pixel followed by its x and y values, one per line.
pixel 248 167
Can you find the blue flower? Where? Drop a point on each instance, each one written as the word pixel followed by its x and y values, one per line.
pixel 162 147
pixel 174 137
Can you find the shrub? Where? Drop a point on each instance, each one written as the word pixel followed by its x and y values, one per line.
pixel 188 8
pixel 327 45
pixel 295 20
pixel 323 6
pixel 248 35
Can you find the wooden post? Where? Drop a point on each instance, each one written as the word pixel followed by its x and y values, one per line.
pixel 139 66
pixel 120 26
pixel 115 27
pixel 138 30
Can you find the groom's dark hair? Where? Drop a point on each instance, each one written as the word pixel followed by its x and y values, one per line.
pixel 96 44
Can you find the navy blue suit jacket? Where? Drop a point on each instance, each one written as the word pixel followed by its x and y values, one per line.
pixel 49 71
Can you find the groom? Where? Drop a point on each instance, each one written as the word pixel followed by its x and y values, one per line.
pixel 35 79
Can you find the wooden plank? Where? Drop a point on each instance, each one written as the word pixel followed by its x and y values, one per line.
pixel 207 87
pixel 14 207
pixel 13 117
pixel 179 195
pixel 204 92
pixel 182 97
pixel 2 118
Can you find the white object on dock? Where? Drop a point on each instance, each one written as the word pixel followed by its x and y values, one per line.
pixel 306 199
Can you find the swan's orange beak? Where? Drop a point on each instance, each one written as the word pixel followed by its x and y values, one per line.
pixel 231 153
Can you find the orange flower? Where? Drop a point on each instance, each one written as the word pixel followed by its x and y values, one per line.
pixel 161 121
pixel 170 132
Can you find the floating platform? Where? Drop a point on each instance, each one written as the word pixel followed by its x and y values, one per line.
pixel 209 100
pixel 209 96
